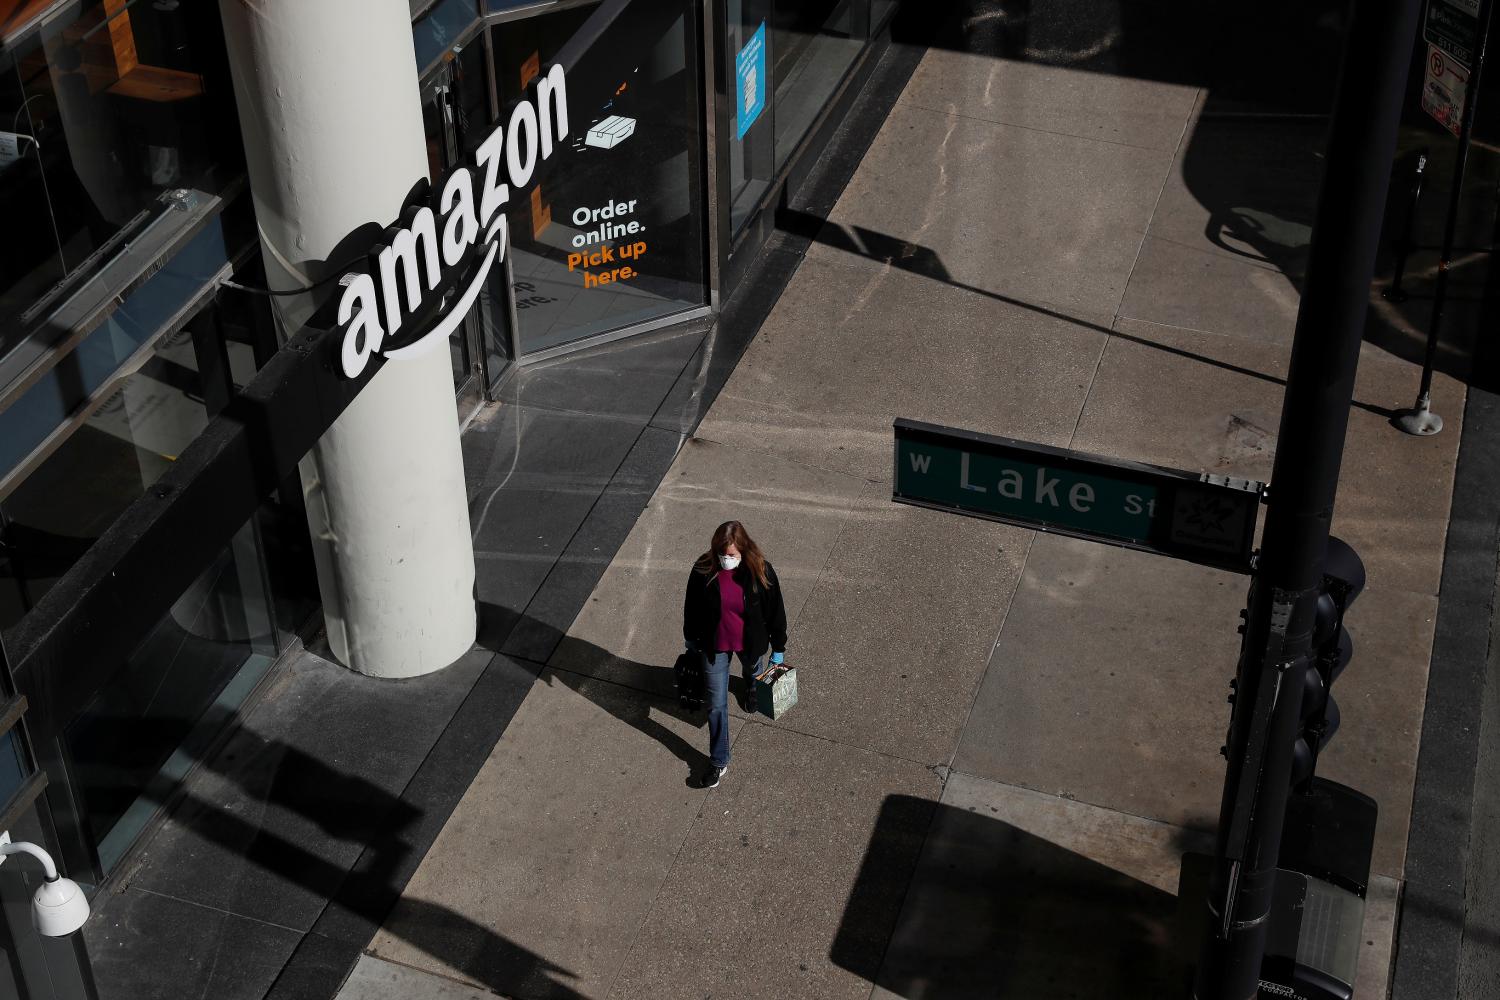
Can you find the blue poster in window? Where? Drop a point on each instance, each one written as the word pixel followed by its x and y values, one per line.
pixel 750 71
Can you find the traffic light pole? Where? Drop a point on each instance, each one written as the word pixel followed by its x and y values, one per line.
pixel 1310 445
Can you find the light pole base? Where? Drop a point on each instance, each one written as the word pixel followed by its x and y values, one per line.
pixel 1420 420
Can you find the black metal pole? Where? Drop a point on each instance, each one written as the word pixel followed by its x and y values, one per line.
pixel 1396 293
pixel 1314 417
pixel 1420 419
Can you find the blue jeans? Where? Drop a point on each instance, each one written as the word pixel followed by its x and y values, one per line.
pixel 717 681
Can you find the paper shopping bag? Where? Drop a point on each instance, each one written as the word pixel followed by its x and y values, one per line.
pixel 776 691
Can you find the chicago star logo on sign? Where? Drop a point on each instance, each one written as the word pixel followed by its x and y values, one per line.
pixel 428 256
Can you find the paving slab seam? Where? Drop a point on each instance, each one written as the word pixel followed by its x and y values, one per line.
pixel 758 720
pixel 911 880
pixel 780 458
pixel 462 983
pixel 687 832
pixel 1125 285
pixel 583 521
pixel 1000 629
pixel 213 967
pixel 211 909
pixel 1207 831
pixel 1259 263
pixel 828 560
pixel 1029 128
pixel 1166 177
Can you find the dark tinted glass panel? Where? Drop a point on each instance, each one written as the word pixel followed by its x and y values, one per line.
pixel 30 255
pixel 435 32
pixel 155 719
pixel 815 43
pixel 611 233
pixel 27 422
pixel 12 774
pixel 245 324
pixel 748 54
pixel 99 117
pixel 55 514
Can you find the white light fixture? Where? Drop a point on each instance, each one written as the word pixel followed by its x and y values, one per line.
pixel 59 907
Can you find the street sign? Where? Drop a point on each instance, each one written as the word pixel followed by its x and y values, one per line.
pixel 1453 26
pixel 1197 517
pixel 1443 86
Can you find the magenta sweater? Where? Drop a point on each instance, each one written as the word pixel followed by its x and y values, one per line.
pixel 731 635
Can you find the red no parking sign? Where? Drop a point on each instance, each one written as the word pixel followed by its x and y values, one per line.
pixel 1443 89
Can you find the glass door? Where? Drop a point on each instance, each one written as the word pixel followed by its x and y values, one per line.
pixel 610 234
pixel 456 103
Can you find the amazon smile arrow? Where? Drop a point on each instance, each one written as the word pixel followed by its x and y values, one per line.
pixel 426 254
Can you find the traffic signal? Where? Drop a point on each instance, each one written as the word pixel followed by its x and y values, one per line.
pixel 1332 648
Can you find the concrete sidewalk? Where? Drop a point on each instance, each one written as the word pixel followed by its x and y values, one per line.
pixel 1005 741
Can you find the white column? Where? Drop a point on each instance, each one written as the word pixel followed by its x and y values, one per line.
pixel 332 120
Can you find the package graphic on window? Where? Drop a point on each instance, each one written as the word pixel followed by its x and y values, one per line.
pixel 750 72
pixel 611 132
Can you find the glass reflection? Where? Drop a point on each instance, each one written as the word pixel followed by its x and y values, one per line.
pixel 147 727
pixel 632 156
pixel 98 117
pixel 749 50
pixel 814 42
pixel 139 733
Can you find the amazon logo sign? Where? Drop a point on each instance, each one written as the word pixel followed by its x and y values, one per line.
pixel 425 272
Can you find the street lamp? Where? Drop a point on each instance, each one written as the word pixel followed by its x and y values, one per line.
pixel 59 907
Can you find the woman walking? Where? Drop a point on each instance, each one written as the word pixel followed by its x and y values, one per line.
pixel 732 609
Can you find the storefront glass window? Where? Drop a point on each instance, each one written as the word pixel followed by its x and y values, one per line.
pixel 139 734
pixel 784 60
pixel 145 730
pixel 11 772
pixel 748 53
pixel 26 423
pixel 814 42
pixel 57 511
pixel 435 32
pixel 456 118
pixel 99 116
pixel 611 234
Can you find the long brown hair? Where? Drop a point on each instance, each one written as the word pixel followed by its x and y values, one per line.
pixel 734 533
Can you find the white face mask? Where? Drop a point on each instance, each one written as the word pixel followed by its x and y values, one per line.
pixel 729 562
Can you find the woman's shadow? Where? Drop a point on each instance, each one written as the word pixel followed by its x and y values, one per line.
pixel 638 694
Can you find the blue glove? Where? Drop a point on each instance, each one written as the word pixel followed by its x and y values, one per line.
pixel 776 659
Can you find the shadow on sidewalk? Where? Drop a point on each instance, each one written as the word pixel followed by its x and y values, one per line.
pixel 293 790
pixel 1253 155
pixel 928 263
pixel 631 704
pixel 983 908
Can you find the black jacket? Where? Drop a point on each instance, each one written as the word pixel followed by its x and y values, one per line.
pixel 765 612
